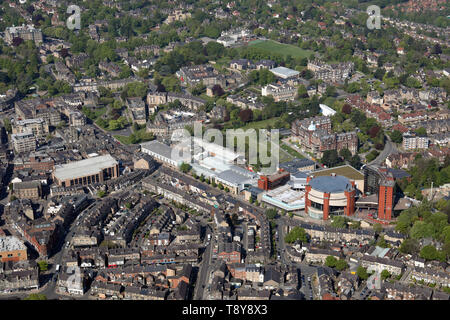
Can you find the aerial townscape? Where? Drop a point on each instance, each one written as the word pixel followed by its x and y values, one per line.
pixel 111 187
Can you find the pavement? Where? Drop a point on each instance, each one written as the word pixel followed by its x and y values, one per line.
pixel 202 278
pixel 389 148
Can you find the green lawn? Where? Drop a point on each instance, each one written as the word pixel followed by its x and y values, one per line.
pixel 140 136
pixel 260 124
pixel 281 48
pixel 94 114
pixel 291 151
pixel 123 139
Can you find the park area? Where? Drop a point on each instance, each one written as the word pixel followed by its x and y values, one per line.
pixel 280 48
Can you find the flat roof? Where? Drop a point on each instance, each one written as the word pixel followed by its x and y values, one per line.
pixel 331 184
pixel 284 72
pixel 295 164
pixel 158 148
pixel 84 167
pixel 345 170
pixel 233 177
pixel 286 198
pixel 9 243
pixel 326 110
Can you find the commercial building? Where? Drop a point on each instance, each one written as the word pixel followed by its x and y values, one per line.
pixel 37 108
pixel 285 198
pixel 7 99
pixel 347 171
pixel 273 181
pixel 329 195
pixel 160 152
pixel 298 180
pixel 87 171
pixel 23 142
pixel 37 126
pixel 236 178
pixel 27 190
pixel 12 249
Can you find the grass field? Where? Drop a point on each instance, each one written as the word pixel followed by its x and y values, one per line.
pixel 281 48
pixel 140 136
pixel 261 124
pixel 291 151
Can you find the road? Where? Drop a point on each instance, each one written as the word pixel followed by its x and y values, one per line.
pixel 202 277
pixel 389 148
pixel 307 272
pixel 405 276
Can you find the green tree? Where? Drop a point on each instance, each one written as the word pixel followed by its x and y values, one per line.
pixel 330 158
pixel 271 213
pixel 339 222
pixel 421 132
pixel 355 161
pixel 341 265
pixel 331 261
pixel 421 230
pixel 101 193
pixel 43 265
pixel 409 246
pixel 378 228
pixel 362 273
pixel 297 233
pixel 185 167
pixel 385 274
pixel 429 252
pixel 346 154
pixel 382 243
pixel 396 136
pixel 7 124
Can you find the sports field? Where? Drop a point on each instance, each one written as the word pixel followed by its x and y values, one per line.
pixel 280 48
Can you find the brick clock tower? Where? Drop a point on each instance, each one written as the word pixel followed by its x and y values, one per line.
pixel 385 200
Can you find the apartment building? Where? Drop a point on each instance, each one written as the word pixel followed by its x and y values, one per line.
pixel 279 92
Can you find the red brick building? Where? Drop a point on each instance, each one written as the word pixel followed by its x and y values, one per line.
pixel 229 252
pixel 273 181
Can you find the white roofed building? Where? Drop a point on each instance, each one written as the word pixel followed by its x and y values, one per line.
pixel 87 171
